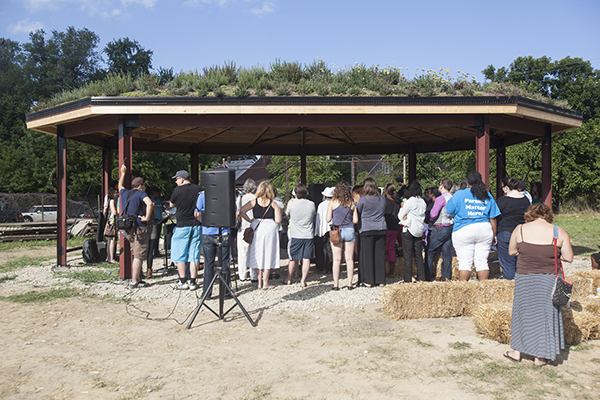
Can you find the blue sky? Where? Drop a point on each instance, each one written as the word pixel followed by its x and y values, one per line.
pixel 458 35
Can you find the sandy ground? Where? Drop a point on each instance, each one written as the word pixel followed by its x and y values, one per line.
pixel 308 343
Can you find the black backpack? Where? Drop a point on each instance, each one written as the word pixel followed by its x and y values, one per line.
pixel 90 251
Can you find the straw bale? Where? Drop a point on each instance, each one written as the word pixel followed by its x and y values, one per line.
pixel 581 321
pixel 580 277
pixel 492 320
pixel 442 299
pixel 424 299
pixel 582 286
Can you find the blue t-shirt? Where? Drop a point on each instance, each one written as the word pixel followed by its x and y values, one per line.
pixel 468 209
pixel 137 197
pixel 209 230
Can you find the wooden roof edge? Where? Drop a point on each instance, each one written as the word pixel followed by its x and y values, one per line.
pixel 304 100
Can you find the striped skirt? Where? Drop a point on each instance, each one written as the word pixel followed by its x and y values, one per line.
pixel 536 325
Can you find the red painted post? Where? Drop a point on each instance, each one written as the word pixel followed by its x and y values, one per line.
pixel 500 167
pixel 125 153
pixel 482 150
pixel 412 165
pixel 61 189
pixel 547 167
pixel 194 165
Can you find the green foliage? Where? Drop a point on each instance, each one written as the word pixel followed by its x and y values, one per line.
pixel 317 171
pixel 283 90
pixel 41 296
pixel 304 87
pixel 241 91
pixel 128 57
pixel 283 71
pixel 226 73
pixel 21 262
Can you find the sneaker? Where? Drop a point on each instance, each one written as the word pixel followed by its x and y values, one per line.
pixel 180 286
pixel 193 286
pixel 138 284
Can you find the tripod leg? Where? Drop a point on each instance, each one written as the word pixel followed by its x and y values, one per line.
pixel 204 298
pixel 233 295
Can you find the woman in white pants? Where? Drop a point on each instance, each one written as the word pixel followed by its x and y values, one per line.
pixel 242 247
pixel 474 231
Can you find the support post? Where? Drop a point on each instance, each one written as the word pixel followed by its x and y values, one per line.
pixel 547 166
pixel 352 171
pixel 303 166
pixel 194 164
pixel 106 170
pixel 61 186
pixel 482 148
pixel 125 153
pixel 500 167
pixel 412 165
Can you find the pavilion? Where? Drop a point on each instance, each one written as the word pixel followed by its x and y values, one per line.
pixel 298 126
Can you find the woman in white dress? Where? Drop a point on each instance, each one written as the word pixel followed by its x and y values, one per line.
pixel 263 252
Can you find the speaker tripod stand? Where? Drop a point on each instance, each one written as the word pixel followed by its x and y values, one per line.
pixel 223 287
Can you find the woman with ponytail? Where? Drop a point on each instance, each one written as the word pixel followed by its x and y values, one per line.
pixel 475 213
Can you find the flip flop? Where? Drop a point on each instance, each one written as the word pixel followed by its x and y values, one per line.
pixel 268 287
pixel 335 288
pixel 505 354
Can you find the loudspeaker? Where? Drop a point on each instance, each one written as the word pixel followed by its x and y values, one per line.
pixel 314 192
pixel 219 198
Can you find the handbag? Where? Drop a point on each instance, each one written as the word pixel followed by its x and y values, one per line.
pixel 109 230
pixel 249 232
pixel 127 221
pixel 334 234
pixel 561 294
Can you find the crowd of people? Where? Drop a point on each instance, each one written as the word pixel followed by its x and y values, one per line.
pixel 364 225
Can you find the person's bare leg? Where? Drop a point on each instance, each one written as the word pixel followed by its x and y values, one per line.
pixel 259 276
pixel 181 269
pixel 305 269
pixel 291 269
pixel 483 275
pixel 336 251
pixel 136 270
pixel 194 269
pixel 464 275
pixel 110 250
pixel 349 253
pixel 266 273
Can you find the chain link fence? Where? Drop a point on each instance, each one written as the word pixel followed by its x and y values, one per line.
pixel 23 202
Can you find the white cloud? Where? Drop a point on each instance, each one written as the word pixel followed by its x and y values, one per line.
pixel 267 8
pixel 35 5
pixel 146 3
pixel 25 26
pixel 199 3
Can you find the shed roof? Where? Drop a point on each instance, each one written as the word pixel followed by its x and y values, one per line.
pixel 308 125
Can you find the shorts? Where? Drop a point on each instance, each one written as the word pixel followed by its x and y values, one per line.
pixel 140 242
pixel 186 244
pixel 302 249
pixel 347 235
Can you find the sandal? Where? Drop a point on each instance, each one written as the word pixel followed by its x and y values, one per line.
pixel 511 358
pixel 335 288
pixel 540 362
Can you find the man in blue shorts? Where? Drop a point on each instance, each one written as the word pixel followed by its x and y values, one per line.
pixel 187 236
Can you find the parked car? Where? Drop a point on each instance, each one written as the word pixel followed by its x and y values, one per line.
pixel 7 214
pixel 40 213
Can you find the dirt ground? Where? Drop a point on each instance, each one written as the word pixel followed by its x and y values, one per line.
pixel 139 348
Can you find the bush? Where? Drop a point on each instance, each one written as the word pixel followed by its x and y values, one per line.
pixel 260 92
pixel 283 71
pixel 283 90
pixel 304 87
pixel 354 91
pixel 241 91
pixel 219 92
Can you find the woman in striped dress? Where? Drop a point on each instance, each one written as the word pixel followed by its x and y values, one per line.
pixel 537 325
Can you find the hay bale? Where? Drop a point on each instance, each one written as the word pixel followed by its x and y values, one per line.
pixel 584 282
pixel 442 299
pixel 492 320
pixel 581 321
pixel 424 299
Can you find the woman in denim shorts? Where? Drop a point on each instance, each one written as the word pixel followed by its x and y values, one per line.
pixel 342 212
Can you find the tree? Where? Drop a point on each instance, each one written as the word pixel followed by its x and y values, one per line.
pixel 125 55
pixel 64 62
pixel 575 153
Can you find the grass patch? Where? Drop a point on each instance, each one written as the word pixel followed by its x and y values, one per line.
pixel 420 342
pixel 36 244
pixel 7 278
pixel 595 360
pixel 259 392
pixel 91 275
pixel 41 297
pixel 581 347
pixel 584 230
pixel 460 345
pixel 23 262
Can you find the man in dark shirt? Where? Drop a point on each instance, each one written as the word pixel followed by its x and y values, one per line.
pixel 187 236
pixel 134 201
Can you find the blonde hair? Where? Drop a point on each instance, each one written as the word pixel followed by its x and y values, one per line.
pixel 265 189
